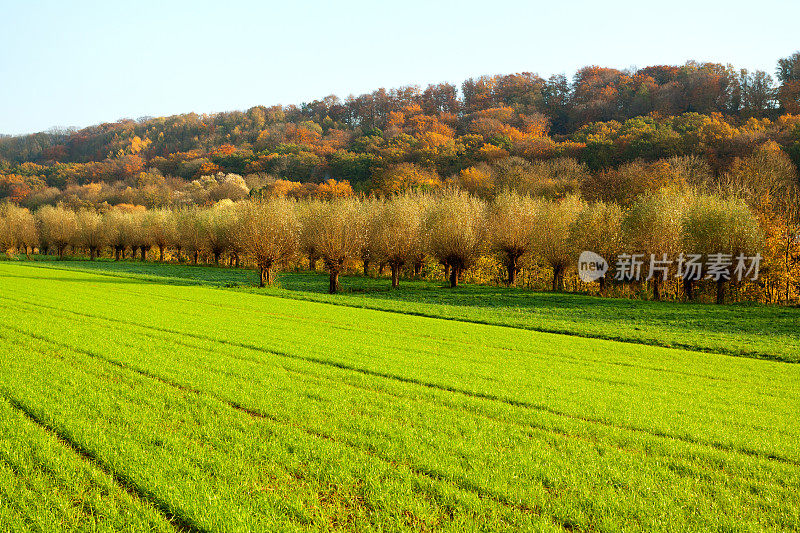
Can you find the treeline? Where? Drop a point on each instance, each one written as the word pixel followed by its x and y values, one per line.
pixel 412 137
pixel 448 233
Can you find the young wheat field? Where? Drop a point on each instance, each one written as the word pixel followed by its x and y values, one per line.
pixel 160 398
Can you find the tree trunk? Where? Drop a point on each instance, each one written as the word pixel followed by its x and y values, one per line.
pixel 688 289
pixel 236 261
pixel 381 268
pixel 312 262
pixel 116 253
pixel 61 252
pixel 602 281
pixel 417 268
pixel 454 273
pixel 91 253
pixel 333 286
pixel 216 258
pixel 143 253
pixel 195 257
pixel 558 278
pixel 366 266
pixel 656 289
pixel 160 253
pixel 720 291
pixel 511 265
pixel 265 276
pixel 446 270
pixel 395 275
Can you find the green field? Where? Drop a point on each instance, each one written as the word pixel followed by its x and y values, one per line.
pixel 143 397
pixel 751 330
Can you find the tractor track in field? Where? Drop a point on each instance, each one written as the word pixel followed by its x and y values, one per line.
pixel 432 474
pixel 578 361
pixel 163 336
pixel 528 427
pixel 174 517
pixel 414 381
pixel 455 342
pixel 440 340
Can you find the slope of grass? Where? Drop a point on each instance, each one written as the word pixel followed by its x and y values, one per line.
pixel 768 332
pixel 233 411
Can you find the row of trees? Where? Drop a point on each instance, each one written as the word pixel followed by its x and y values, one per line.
pixel 453 227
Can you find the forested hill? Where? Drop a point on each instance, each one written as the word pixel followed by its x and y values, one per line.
pixel 510 130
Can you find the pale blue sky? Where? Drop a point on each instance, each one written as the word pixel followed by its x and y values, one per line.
pixel 84 62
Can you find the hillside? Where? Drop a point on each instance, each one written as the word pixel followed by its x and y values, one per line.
pixel 545 136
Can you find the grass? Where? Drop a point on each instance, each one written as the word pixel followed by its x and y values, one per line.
pixel 226 410
pixel 750 330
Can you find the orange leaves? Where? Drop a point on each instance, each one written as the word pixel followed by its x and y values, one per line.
pixel 490 152
pixel 476 180
pixel 421 124
pixel 14 187
pixel 223 150
pixel 331 189
pixel 407 176
pixel 208 169
pixel 327 190
pixel 301 134
pixel 138 144
pixel 789 96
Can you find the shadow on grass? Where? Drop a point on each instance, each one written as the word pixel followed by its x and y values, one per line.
pixel 749 329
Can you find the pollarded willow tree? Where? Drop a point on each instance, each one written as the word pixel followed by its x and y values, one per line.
pixel 269 232
pixel 455 227
pixel 511 222
pixel 306 211
pixel 395 232
pixel 219 223
pixel 231 235
pixel 598 229
pixel 721 229
pixel 652 227
pixel 162 227
pixel 552 238
pixel 139 233
pixel 213 223
pixel 370 211
pixel 23 227
pixel 117 228
pixel 91 232
pixel 191 233
pixel 57 226
pixel 6 236
pixel 336 231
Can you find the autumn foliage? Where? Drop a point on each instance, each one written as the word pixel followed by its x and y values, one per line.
pixel 537 160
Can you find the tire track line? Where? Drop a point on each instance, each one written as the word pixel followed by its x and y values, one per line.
pixel 173 516
pixel 447 388
pixel 433 474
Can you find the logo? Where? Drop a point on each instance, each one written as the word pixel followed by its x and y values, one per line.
pixel 591 267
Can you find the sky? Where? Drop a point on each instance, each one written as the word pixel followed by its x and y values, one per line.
pixel 78 63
